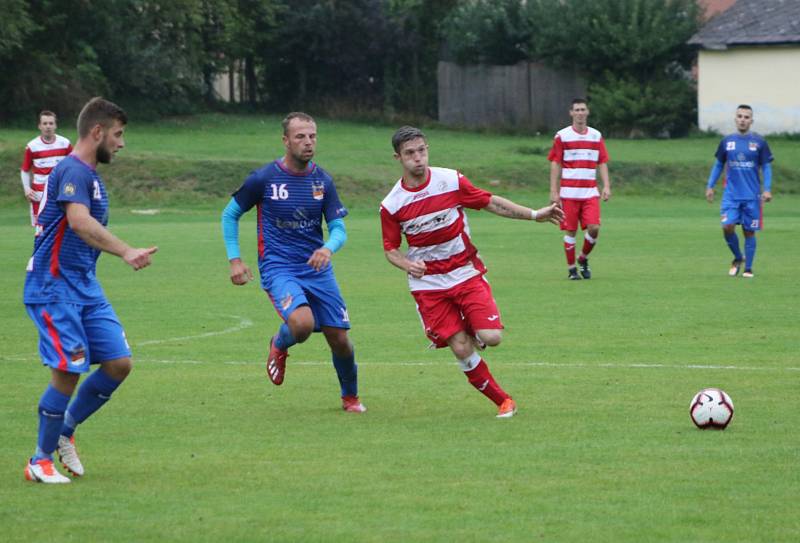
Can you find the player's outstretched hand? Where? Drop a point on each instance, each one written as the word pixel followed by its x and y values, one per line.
pixel 240 272
pixel 416 268
pixel 552 213
pixel 710 195
pixel 139 258
pixel 320 258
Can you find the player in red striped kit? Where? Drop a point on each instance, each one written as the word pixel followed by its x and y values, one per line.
pixel 41 155
pixel 445 274
pixel 578 155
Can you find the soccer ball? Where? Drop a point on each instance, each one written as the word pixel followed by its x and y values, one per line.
pixel 711 408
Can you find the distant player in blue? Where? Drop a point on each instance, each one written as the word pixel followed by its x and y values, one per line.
pixel 292 196
pixel 77 326
pixel 745 153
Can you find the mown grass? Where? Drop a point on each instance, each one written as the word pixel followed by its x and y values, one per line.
pixel 196 160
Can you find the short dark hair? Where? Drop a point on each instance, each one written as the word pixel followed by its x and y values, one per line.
pixel 47 113
pixel 404 134
pixel 578 100
pixel 295 115
pixel 744 106
pixel 99 111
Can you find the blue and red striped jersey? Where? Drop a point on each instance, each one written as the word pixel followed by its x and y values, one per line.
pixel 290 207
pixel 62 268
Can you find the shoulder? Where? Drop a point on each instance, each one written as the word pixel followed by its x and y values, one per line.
pixel 32 144
pixel 394 200
pixel 322 173
pixel 564 132
pixel 446 174
pixel 594 134
pixel 61 141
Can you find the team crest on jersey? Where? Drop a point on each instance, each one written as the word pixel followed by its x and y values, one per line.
pixel 68 190
pixel 731 146
pixel 317 190
pixel 753 146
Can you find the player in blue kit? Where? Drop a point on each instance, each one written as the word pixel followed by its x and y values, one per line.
pixel 77 326
pixel 292 195
pixel 745 153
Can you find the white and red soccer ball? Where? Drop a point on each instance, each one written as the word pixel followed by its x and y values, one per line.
pixel 711 408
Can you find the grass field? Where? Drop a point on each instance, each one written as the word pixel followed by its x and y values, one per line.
pixel 197 445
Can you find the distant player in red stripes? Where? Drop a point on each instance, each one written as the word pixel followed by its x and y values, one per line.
pixel 445 274
pixel 41 155
pixel 578 155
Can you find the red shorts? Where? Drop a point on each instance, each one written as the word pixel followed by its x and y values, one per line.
pixel 468 306
pixel 588 211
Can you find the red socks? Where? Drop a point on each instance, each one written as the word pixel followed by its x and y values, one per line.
pixel 482 379
pixel 569 249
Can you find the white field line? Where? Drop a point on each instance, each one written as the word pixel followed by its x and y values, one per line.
pixel 243 323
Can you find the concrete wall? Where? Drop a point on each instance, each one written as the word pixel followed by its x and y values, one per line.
pixel 526 95
pixel 766 78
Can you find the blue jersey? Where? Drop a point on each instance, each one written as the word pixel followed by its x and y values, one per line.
pixel 290 211
pixel 62 268
pixel 744 155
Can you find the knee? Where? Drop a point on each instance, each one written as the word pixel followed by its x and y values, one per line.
pixel 491 338
pixel 301 324
pixel 462 347
pixel 593 230
pixel 118 369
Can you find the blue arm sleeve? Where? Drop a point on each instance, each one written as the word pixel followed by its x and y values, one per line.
pixel 337 235
pixel 230 228
pixel 767 177
pixel 715 171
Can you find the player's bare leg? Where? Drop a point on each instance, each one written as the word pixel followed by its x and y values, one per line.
pixel 343 356
pixel 477 372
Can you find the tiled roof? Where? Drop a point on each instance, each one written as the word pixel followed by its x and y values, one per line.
pixel 752 22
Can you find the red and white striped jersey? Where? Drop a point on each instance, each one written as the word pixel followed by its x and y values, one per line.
pixel 579 155
pixel 435 226
pixel 41 157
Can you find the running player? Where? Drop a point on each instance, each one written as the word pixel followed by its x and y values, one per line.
pixel 41 155
pixel 745 153
pixel 292 195
pixel 77 326
pixel 445 274
pixel 578 155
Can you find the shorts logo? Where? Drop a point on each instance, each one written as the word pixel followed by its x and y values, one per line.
pixel 731 146
pixel 77 357
pixel 724 217
pixel 345 316
pixel 493 318
pixel 68 190
pixel 286 302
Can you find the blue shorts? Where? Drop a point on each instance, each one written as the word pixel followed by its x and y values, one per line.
pixel 72 336
pixel 744 212
pixel 291 287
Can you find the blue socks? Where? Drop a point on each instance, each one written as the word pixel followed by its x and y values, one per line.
pixel 347 372
pixel 95 391
pixel 733 243
pixel 51 418
pixel 749 252
pixel 284 339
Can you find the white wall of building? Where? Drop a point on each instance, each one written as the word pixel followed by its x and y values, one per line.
pixel 766 77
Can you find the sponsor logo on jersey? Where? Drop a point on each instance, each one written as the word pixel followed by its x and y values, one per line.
pixel 422 194
pixel 68 190
pixel 300 222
